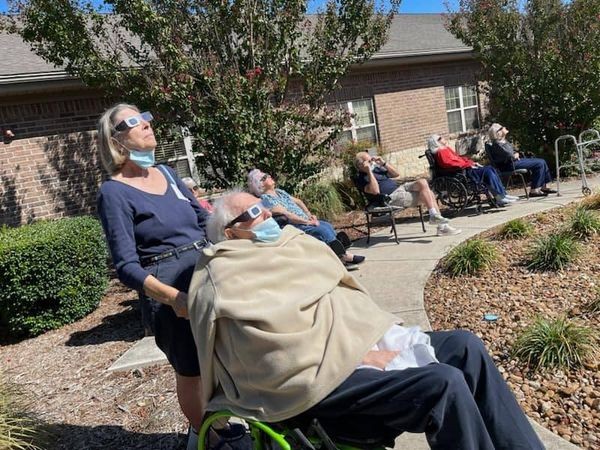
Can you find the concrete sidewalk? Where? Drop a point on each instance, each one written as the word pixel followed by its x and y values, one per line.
pixel 395 275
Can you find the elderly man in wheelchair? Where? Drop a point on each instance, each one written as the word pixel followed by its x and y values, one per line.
pixel 285 333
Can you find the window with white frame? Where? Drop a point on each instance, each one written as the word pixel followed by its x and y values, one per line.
pixel 177 153
pixel 363 127
pixel 462 108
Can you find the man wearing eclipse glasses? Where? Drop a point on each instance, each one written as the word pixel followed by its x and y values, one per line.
pixel 284 331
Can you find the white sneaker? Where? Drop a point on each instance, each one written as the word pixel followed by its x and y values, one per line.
pixel 514 198
pixel 437 219
pixel 446 230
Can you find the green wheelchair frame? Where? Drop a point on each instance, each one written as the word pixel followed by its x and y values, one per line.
pixel 264 436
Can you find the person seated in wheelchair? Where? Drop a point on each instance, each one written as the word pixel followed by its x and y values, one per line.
pixel 284 331
pixel 375 177
pixel 293 211
pixel 506 158
pixel 447 159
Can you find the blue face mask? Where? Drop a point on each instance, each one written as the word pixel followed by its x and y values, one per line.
pixel 142 159
pixel 267 231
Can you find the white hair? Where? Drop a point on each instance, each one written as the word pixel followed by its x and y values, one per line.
pixel 221 216
pixel 433 143
pixel 111 155
pixel 189 182
pixel 493 131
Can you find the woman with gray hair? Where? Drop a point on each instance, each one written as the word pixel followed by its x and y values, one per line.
pixel 279 201
pixel 506 158
pixel 155 229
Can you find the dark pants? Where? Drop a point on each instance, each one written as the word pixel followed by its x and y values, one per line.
pixel 488 176
pixel 540 173
pixel 461 403
pixel 173 335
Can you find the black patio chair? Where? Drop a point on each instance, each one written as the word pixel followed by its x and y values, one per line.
pixel 379 206
pixel 507 175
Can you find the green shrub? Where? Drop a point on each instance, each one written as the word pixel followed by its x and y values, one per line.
pixel 322 199
pixel 470 257
pixel 17 430
pixel 558 343
pixel 516 229
pixel 349 194
pixel 52 273
pixel 584 223
pixel 553 252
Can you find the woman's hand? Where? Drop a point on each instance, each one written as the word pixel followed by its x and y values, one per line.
pixel 313 220
pixel 516 156
pixel 179 305
pixel 379 358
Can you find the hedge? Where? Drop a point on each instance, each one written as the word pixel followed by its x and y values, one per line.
pixel 52 273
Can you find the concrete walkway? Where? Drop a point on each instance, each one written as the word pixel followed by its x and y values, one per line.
pixel 395 275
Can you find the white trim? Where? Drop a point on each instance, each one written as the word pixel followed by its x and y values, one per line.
pixel 462 108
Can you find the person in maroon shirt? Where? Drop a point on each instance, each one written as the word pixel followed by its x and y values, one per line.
pixel 447 159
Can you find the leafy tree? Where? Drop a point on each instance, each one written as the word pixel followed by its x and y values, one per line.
pixel 540 62
pixel 249 78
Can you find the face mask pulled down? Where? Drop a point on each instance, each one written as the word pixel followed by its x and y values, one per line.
pixel 143 159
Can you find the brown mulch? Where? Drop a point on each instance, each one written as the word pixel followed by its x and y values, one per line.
pixel 84 406
pixel 565 401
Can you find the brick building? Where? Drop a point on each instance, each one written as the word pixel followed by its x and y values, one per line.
pixel 423 81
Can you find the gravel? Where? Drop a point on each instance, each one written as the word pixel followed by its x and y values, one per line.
pixel 565 401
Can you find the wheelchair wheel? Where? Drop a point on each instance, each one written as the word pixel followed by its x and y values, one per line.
pixel 451 193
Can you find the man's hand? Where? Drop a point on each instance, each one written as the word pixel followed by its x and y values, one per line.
pixel 379 358
pixel 180 305
pixel 378 160
pixel 313 220
pixel 516 156
pixel 367 165
pixel 477 165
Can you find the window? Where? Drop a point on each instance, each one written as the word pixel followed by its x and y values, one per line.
pixel 177 154
pixel 462 109
pixel 363 127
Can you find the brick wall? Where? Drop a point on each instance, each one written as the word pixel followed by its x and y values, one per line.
pixel 51 169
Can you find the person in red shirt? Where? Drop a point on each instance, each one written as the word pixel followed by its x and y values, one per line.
pixel 447 159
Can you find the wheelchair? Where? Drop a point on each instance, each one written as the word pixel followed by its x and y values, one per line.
pixel 286 435
pixel 456 190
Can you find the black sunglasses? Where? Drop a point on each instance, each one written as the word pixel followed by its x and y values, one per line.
pixel 251 213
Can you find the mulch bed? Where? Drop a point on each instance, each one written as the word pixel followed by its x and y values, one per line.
pixel 566 402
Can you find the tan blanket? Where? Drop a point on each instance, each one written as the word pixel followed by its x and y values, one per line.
pixel 278 326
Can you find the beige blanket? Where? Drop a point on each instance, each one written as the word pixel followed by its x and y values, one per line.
pixel 278 326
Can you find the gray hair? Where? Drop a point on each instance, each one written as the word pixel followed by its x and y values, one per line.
pixel 493 131
pixel 189 182
pixel 221 216
pixel 433 143
pixel 111 155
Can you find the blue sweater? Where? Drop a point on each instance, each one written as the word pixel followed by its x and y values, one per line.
pixel 138 224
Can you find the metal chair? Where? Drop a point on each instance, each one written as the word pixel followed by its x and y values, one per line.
pixel 378 206
pixel 507 174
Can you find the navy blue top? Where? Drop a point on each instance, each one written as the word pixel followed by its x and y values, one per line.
pixel 138 224
pixel 386 184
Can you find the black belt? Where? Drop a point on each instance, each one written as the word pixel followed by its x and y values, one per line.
pixel 149 260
